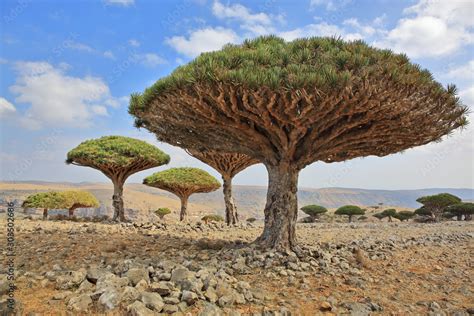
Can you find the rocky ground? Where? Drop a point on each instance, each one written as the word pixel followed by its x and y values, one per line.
pixel 382 268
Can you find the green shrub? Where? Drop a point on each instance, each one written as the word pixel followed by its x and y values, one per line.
pixel 379 216
pixel 389 213
pixel 212 218
pixel 404 215
pixel 433 205
pixel 162 212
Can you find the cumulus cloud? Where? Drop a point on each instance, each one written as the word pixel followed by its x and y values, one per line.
pixel 257 23
pixel 202 40
pixel 432 29
pixel 467 96
pixel 462 72
pixel 149 59
pixel 6 108
pixel 57 99
pixel 108 54
pixel 124 3
pixel 133 42
pixel 330 5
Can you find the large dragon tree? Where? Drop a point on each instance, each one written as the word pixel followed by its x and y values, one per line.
pixel 228 165
pixel 289 104
pixel 183 182
pixel 118 158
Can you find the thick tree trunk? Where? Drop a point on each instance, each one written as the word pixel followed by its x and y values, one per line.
pixel 184 208
pixel 117 202
pixel 390 219
pixel 231 216
pixel 467 217
pixel 459 217
pixel 350 218
pixel 281 210
pixel 45 213
pixel 71 213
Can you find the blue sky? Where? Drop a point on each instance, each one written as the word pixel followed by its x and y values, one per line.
pixel 68 67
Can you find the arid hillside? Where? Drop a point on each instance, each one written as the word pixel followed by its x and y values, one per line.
pixel 139 199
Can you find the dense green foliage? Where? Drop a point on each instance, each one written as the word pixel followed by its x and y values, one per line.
pixel 423 211
pixel 212 218
pixel 350 210
pixel 459 209
pixel 48 200
pixel 162 212
pixel 379 216
pixel 438 201
pixel 61 200
pixel 183 179
pixel 390 212
pixel 326 63
pixel 314 210
pixel 117 151
pixel 404 215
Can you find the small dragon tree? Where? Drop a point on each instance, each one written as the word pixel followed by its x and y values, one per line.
pixel 404 215
pixel 433 205
pixel 461 209
pixel 350 210
pixel 228 165
pixel 289 104
pixel 391 212
pixel 117 157
pixel 183 182
pixel 314 211
pixel 46 201
pixel 162 212
pixel 79 199
pixel 70 200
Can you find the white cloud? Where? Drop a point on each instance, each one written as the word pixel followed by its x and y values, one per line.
pixel 3 61
pixel 330 5
pixel 320 29
pixel 257 23
pixel 133 42
pixel 79 46
pixel 124 3
pixel 149 59
pixel 57 99
pixel 108 54
pixel 437 28
pixel 462 72
pixel 467 96
pixel 6 108
pixel 203 40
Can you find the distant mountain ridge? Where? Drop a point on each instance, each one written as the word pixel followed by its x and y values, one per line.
pixel 250 199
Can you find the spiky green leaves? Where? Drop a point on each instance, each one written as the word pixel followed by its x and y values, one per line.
pixel 322 62
pixel 389 212
pixel 162 212
pixel 314 210
pixel 61 200
pixel 117 151
pixel 183 181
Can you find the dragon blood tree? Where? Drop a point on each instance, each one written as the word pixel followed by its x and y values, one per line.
pixel 228 165
pixel 117 157
pixel 70 200
pixel 183 182
pixel 289 104
pixel 46 201
pixel 79 199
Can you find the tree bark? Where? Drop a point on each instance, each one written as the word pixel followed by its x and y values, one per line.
pixel 184 208
pixel 45 213
pixel 71 213
pixel 231 216
pixel 117 202
pixel 350 218
pixel 281 210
